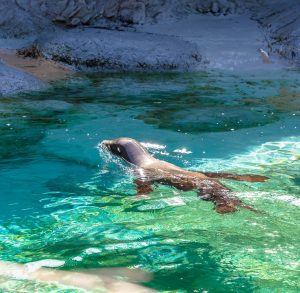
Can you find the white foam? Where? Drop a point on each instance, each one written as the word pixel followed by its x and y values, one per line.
pixel 268 156
pixel 92 250
pixel 182 151
pixel 174 201
pixel 266 195
pixel 290 199
pixel 153 146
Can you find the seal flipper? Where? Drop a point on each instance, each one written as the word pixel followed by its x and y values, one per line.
pixel 217 193
pixel 142 187
pixel 231 205
pixel 243 177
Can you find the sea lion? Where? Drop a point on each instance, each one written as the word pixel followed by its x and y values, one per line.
pixel 265 56
pixel 151 171
pixel 113 280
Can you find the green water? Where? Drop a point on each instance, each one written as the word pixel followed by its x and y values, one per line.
pixel 64 199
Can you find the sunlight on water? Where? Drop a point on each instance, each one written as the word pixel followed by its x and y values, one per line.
pixel 70 205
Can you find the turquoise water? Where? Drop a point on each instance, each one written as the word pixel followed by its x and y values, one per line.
pixel 63 199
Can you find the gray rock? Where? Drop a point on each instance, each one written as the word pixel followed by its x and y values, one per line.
pixel 28 18
pixel 92 5
pixel 59 6
pixel 70 10
pixel 60 18
pixel 232 8
pixel 44 8
pixel 87 18
pixel 132 11
pixel 224 10
pixel 22 18
pixel 111 9
pixel 13 81
pixel 104 50
pixel 23 4
pixel 282 27
pixel 203 7
pixel 75 21
pixel 214 7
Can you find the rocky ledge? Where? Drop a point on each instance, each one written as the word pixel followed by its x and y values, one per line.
pixel 97 50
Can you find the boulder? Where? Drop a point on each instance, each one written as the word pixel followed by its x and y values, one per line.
pixel 111 9
pixel 104 50
pixel 132 12
pixel 13 81
pixel 215 7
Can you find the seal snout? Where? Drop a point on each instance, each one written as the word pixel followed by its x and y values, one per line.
pixel 106 144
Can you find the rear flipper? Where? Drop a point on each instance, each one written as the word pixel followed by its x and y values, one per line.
pixel 219 195
pixel 243 177
pixel 232 205
pixel 143 188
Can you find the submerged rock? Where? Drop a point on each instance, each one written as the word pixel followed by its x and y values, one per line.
pixel 48 105
pixel 207 119
pixel 287 100
pixel 18 136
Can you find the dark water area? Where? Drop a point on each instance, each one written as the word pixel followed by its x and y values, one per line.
pixel 63 198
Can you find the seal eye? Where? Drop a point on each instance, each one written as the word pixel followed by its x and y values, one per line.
pixel 118 149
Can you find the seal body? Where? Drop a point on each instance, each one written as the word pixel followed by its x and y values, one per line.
pixel 151 171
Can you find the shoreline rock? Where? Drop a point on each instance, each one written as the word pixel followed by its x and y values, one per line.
pixel 69 31
pixel 13 81
pixel 280 20
pixel 104 50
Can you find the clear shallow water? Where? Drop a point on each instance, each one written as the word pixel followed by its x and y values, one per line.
pixel 63 199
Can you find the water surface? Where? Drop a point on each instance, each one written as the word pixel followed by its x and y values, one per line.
pixel 64 199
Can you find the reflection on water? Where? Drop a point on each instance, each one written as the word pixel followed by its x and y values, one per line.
pixel 62 200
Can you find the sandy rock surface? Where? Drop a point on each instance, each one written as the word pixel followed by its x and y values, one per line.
pixel 41 68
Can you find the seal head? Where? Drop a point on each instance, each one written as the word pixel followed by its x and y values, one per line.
pixel 128 149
